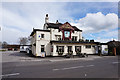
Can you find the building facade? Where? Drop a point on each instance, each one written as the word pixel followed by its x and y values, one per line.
pixel 60 39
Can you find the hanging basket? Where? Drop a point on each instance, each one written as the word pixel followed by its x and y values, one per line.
pixel 60 53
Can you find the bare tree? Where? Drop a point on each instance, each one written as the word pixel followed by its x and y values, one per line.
pixel 29 39
pixel 4 44
pixel 23 40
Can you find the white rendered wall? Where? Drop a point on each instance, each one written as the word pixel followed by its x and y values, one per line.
pixel 56 32
pixel 33 42
pixel 88 50
pixel 43 41
pixel 78 34
pixel 83 49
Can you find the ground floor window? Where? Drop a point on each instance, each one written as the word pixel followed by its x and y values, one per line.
pixel 77 48
pixel 60 49
pixel 69 49
pixel 42 48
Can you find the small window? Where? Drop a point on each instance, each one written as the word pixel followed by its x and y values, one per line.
pixel 42 48
pixel 59 30
pixel 51 48
pixel 88 46
pixel 22 47
pixel 58 37
pixel 74 38
pixel 42 35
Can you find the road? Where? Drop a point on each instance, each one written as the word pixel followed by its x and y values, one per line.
pixel 105 67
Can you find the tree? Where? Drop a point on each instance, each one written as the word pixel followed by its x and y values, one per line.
pixel 29 39
pixel 23 40
pixel 0 44
pixel 83 38
pixel 4 44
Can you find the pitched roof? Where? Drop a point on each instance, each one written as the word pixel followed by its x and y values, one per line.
pixel 34 31
pixel 56 26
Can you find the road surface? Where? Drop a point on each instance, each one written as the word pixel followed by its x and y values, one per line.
pixel 99 67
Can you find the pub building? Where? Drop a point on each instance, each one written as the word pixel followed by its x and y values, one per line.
pixel 56 39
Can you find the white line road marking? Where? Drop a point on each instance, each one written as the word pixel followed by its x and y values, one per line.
pixel 68 68
pixel 71 59
pixel 11 74
pixel 90 65
pixel 115 62
pixel 55 69
pixel 73 67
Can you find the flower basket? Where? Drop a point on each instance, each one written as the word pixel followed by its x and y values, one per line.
pixel 60 53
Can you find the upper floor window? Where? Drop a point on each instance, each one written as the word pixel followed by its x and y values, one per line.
pixel 74 38
pixel 42 35
pixel 58 37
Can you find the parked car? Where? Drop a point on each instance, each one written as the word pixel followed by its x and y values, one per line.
pixel 28 50
pixel 23 48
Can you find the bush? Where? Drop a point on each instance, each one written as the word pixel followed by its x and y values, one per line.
pixel 2 50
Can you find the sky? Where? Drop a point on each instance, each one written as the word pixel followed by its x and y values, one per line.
pixel 97 20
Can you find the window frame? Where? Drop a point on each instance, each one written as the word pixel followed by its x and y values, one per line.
pixel 42 48
pixel 42 35
pixel 58 48
pixel 77 47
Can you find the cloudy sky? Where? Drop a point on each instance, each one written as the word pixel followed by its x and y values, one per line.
pixel 98 20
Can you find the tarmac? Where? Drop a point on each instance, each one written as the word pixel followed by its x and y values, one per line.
pixel 16 56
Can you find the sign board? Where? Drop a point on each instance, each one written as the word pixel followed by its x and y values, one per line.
pixel 42 54
pixel 66 29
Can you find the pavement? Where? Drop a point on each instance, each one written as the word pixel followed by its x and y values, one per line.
pixel 16 56
pixel 21 65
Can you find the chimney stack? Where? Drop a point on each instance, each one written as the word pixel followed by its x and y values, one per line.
pixel 46 18
pixel 57 22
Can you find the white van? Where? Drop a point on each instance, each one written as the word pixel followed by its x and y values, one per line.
pixel 24 48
